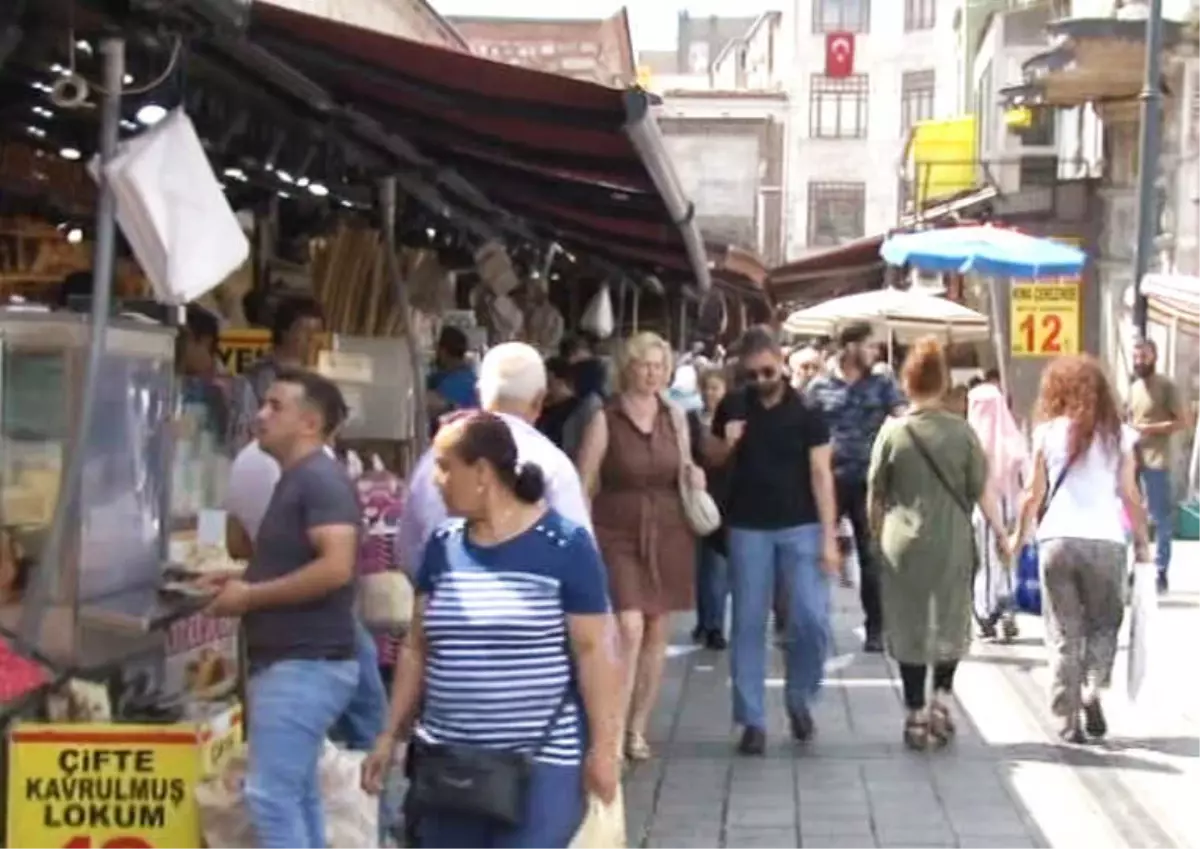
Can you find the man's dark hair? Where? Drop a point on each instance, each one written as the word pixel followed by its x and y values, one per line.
pixel 1148 344
pixel 289 312
pixel 453 342
pixel 758 339
pixel 859 331
pixel 203 325
pixel 578 343
pixel 992 375
pixel 321 393
pixel 560 368
pixel 75 285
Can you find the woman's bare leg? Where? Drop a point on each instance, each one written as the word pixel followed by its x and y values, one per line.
pixel 631 624
pixel 650 664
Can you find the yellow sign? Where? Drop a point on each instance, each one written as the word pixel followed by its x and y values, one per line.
pixel 108 786
pixel 1019 117
pixel 238 349
pixel 1045 319
pixel 943 158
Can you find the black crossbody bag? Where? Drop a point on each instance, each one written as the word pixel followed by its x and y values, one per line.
pixel 472 780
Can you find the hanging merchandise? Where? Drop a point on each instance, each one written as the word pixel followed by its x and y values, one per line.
pixel 495 268
pixel 544 326
pixel 598 315
pixel 173 211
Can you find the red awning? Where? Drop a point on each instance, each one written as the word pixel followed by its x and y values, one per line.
pixel 555 151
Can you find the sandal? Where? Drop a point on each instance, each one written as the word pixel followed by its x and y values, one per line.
pixel 916 732
pixel 636 747
pixel 941 724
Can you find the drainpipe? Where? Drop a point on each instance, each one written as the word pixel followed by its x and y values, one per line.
pixel 647 140
pixel 1148 150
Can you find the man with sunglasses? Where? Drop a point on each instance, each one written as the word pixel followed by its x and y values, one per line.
pixel 782 520
pixel 856 402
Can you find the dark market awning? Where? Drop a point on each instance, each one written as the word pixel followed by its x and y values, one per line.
pixel 580 162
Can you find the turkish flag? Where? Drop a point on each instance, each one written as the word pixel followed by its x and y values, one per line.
pixel 839 54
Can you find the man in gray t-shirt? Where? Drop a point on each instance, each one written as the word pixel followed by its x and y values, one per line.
pixel 296 603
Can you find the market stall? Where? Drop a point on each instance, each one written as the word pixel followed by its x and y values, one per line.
pixel 902 316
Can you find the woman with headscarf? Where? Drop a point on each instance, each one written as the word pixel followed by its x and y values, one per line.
pixel 1006 452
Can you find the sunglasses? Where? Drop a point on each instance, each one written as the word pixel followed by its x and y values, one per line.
pixel 763 375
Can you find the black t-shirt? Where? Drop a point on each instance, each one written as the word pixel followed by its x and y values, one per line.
pixel 315 492
pixel 770 483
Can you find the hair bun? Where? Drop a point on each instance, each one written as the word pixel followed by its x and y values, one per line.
pixel 530 483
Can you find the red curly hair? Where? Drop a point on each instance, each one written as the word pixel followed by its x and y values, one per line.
pixel 1076 387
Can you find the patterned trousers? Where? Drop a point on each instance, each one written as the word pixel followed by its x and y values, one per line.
pixel 1083 603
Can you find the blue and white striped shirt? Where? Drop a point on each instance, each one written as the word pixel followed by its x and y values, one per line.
pixel 497 660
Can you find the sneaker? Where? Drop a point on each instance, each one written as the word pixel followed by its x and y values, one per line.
pixel 873 644
pixel 1162 583
pixel 802 725
pixel 753 742
pixel 698 634
pixel 1072 736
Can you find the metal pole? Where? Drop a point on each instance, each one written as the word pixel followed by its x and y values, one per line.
pixel 37 599
pixel 1148 150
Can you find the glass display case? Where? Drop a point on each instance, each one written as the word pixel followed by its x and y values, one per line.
pixel 376 379
pixel 104 589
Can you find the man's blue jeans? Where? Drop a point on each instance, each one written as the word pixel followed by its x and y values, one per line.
pixel 362 723
pixel 712 589
pixel 755 558
pixel 293 704
pixel 1160 502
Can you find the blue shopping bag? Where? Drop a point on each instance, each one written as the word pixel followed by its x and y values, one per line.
pixel 1028 590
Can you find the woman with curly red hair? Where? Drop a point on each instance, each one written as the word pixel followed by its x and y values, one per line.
pixel 1083 474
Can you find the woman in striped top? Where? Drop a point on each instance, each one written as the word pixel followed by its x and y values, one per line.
pixel 511 645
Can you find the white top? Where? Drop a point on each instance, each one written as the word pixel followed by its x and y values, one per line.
pixel 252 479
pixel 1088 503
pixel 424 509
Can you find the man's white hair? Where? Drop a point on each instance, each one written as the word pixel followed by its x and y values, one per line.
pixel 511 371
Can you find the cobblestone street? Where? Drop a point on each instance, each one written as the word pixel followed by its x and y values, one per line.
pixel 1003 783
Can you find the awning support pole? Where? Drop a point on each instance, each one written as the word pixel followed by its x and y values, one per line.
pixel 994 325
pixel 387 206
pixel 1148 150
pixel 112 48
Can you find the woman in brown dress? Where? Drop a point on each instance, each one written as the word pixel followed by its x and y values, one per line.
pixel 630 463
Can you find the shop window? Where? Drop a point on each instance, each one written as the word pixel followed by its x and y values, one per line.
pixel 835 213
pixel 916 98
pixel 919 14
pixel 841 16
pixel 837 107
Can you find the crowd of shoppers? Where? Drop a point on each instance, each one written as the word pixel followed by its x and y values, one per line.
pixel 549 544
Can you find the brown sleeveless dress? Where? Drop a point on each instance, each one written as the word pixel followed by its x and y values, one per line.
pixel 647 545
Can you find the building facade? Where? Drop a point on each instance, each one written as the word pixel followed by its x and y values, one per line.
pixel 724 117
pixel 412 19
pixel 848 134
pixel 597 50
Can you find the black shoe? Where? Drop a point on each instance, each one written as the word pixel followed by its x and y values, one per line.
pixel 698 634
pixel 802 725
pixel 1072 736
pixel 753 742
pixel 715 641
pixel 873 644
pixel 1094 722
pixel 1162 583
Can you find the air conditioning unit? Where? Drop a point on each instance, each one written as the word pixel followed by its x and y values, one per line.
pixel 225 14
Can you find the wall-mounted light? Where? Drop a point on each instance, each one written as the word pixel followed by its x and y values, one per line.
pixel 36 132
pixel 318 190
pixel 70 154
pixel 74 236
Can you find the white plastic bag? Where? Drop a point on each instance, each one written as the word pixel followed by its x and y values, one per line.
pixel 351 814
pixel 224 820
pixel 851 567
pixel 597 317
pixel 1143 610
pixel 603 826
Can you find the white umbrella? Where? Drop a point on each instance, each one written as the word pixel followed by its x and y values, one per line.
pixel 906 315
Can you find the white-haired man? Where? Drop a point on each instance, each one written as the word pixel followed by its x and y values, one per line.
pixel 512 384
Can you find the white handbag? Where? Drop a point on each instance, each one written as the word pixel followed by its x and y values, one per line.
pixel 699 508
pixel 385 601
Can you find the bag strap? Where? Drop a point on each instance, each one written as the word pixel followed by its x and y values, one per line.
pixel 1053 491
pixel 679 423
pixel 552 723
pixel 958 497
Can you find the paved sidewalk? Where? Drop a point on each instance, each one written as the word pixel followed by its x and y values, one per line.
pixel 1003 783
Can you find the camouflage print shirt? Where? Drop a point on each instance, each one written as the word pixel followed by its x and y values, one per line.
pixel 854 412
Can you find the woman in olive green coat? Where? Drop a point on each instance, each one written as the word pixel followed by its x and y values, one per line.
pixel 928 471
